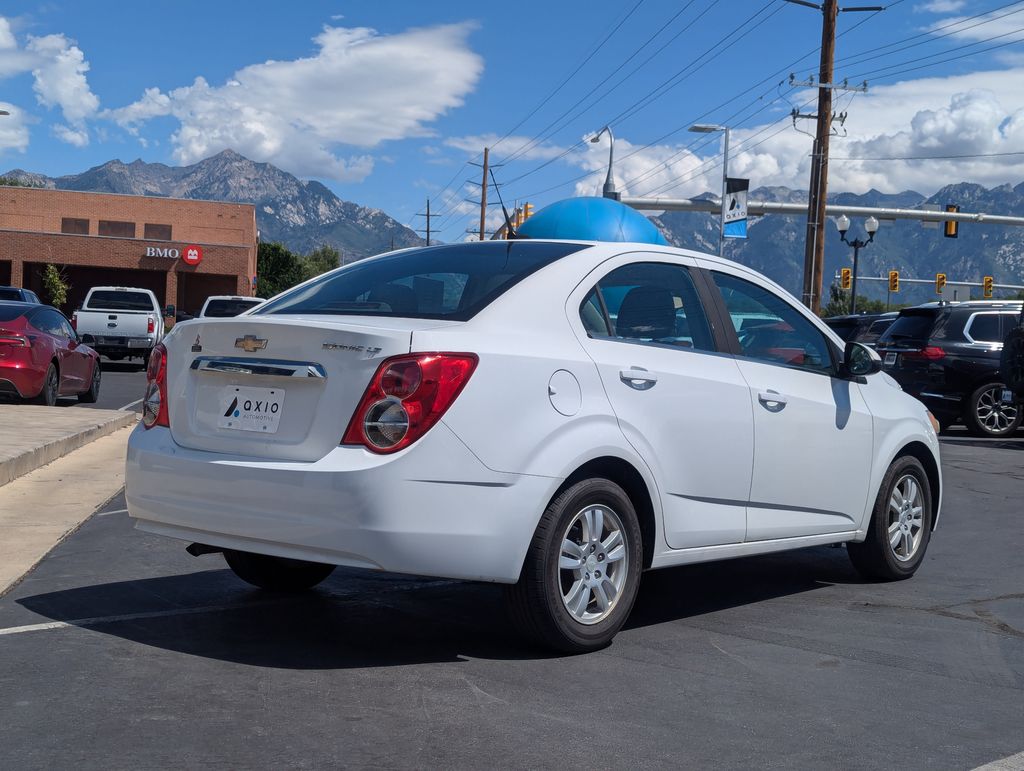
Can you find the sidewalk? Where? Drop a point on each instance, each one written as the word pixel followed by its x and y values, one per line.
pixel 32 436
pixel 41 508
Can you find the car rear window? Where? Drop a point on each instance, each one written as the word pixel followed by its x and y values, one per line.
pixel 119 301
pixel 10 294
pixel 11 312
pixel 912 325
pixel 220 309
pixel 875 331
pixel 846 329
pixel 452 282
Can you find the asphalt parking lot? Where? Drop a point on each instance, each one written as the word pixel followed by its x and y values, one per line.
pixel 120 650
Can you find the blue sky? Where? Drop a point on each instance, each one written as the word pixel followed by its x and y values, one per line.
pixel 386 102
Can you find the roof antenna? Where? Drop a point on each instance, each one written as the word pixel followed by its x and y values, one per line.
pixel 509 230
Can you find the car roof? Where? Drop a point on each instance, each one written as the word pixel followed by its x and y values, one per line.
pixel 956 304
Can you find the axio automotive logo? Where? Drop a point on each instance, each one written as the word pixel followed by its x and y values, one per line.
pixel 193 255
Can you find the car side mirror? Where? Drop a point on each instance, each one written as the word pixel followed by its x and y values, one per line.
pixel 860 361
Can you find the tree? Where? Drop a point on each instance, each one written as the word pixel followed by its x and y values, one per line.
pixel 55 285
pixel 319 261
pixel 839 303
pixel 277 269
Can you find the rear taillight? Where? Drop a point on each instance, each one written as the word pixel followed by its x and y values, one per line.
pixel 154 403
pixel 74 320
pixel 150 325
pixel 407 396
pixel 929 353
pixel 14 341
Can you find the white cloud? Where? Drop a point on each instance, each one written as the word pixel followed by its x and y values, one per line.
pixel 941 6
pixel 360 88
pixel 1005 25
pixel 58 68
pixel 509 145
pixel 959 115
pixel 13 129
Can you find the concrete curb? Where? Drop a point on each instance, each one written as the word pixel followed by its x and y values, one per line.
pixel 35 436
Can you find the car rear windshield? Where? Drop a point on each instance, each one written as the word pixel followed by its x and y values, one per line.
pixel 9 294
pixel 913 325
pixel 11 312
pixel 220 309
pixel 119 301
pixel 452 282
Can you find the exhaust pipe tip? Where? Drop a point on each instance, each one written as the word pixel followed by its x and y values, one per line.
pixel 199 549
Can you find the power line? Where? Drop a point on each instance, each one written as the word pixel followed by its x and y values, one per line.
pixel 931 157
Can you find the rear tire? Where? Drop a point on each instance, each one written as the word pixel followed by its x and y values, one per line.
pixel 276 574
pixel 594 525
pixel 51 385
pixel 90 396
pixel 902 514
pixel 986 415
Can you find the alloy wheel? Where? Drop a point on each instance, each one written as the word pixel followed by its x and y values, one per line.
pixel 592 564
pixel 906 517
pixel 993 415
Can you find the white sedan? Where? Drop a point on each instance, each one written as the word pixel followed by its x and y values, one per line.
pixel 556 416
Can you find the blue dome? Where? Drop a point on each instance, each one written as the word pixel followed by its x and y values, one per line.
pixel 592 219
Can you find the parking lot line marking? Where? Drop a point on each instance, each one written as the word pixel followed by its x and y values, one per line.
pixel 108 513
pixel 129 405
pixel 100 620
pixel 1011 763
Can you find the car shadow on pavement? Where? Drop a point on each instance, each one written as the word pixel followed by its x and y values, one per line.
pixel 997 444
pixel 359 619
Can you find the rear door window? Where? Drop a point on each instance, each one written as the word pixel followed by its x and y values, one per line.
pixel 649 302
pixel 443 282
pixel 985 328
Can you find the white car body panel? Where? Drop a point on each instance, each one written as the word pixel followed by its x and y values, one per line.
pixel 465 499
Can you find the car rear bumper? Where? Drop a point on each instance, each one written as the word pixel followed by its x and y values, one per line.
pixel 433 509
pixel 21 381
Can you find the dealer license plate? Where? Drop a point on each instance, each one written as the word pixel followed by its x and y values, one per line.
pixel 251 409
pixel 890 359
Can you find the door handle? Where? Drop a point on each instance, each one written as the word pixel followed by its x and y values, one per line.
pixel 638 378
pixel 772 400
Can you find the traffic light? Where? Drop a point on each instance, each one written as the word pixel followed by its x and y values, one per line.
pixel 986 287
pixel 894 281
pixel 845 278
pixel 527 211
pixel 940 282
pixel 950 227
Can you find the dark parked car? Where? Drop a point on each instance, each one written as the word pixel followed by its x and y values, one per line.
pixel 947 355
pixel 41 356
pixel 861 327
pixel 18 294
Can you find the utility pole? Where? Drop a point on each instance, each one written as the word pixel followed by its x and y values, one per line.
pixel 427 215
pixel 814 245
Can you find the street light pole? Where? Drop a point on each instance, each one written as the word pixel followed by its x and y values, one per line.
pixel 707 128
pixel 609 183
pixel 871 226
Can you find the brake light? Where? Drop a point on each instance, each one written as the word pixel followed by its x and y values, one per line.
pixel 150 325
pixel 154 403
pixel 74 321
pixel 16 341
pixel 929 353
pixel 406 397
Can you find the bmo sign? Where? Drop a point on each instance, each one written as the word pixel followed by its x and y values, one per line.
pixel 191 254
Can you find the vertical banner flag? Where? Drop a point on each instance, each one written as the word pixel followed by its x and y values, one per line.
pixel 734 217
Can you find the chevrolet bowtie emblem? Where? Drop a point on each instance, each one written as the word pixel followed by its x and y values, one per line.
pixel 251 343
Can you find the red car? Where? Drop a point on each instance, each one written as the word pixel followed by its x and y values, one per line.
pixel 42 358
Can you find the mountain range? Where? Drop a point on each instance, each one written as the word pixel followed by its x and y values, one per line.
pixel 304 215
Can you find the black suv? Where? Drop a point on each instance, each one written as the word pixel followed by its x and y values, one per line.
pixel 862 327
pixel 947 355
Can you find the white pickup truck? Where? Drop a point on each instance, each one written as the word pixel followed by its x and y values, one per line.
pixel 123 322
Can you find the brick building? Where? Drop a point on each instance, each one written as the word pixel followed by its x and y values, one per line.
pixel 183 250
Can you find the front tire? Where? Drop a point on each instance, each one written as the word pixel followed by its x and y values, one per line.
pixel 90 396
pixel 582 571
pixel 986 415
pixel 900 527
pixel 51 385
pixel 276 574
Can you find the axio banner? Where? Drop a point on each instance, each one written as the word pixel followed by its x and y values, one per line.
pixel 734 216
